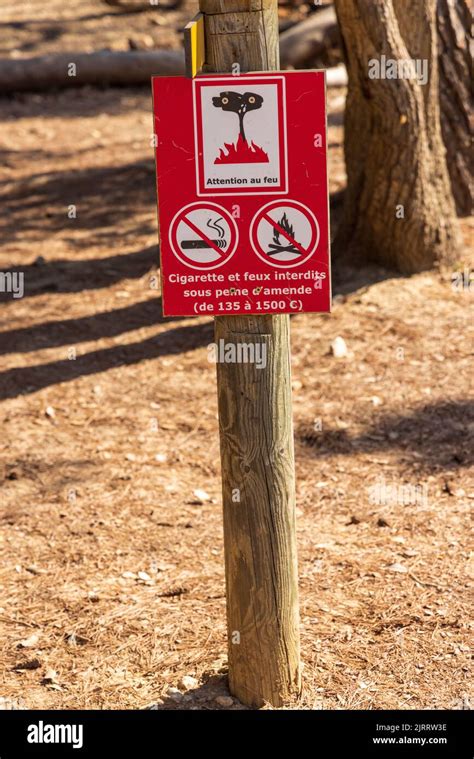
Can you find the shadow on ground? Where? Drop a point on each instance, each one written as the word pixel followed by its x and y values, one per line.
pixel 29 379
pixel 69 332
pixel 439 436
pixel 104 197
pixel 86 101
pixel 66 276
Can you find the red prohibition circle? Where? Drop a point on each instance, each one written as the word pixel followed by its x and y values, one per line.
pixel 262 217
pixel 203 234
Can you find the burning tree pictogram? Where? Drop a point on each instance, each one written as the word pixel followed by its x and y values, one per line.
pixel 242 151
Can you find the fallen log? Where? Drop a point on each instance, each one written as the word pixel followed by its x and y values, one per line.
pixel 139 7
pixel 309 39
pixel 298 45
pixel 76 69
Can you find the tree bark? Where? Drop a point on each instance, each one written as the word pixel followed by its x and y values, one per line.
pixel 399 209
pixel 455 92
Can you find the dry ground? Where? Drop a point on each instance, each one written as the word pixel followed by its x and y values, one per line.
pixel 108 418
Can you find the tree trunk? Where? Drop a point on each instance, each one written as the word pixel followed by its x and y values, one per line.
pixel 399 210
pixel 454 21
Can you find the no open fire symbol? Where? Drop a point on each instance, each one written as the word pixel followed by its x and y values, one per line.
pixel 284 234
pixel 289 245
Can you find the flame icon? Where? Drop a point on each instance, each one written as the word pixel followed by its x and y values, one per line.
pixel 288 247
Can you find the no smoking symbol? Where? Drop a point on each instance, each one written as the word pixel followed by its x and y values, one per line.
pixel 284 234
pixel 203 236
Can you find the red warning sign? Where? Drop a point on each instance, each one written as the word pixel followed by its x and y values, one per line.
pixel 242 191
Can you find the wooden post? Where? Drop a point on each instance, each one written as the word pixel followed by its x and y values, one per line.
pixel 256 434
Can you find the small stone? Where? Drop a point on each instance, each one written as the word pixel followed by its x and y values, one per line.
pixel 50 676
pixel 130 457
pixel 34 570
pixel 339 347
pixel 201 496
pixel 187 682
pixel 29 642
pixel 144 576
pixel 49 412
pixel 141 42
pixel 75 640
pixel 174 694
pixel 161 458
pixel 398 568
pixel 155 705
pixel 226 701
